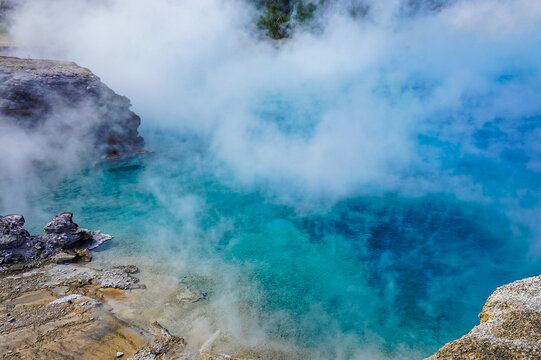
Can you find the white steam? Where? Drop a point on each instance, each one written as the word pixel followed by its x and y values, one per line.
pixel 327 112
pixel 31 158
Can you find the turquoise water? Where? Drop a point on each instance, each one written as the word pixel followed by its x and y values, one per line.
pixel 356 192
pixel 386 273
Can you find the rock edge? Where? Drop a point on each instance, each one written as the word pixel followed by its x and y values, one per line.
pixel 35 93
pixel 63 241
pixel 510 326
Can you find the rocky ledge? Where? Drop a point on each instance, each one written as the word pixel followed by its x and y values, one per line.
pixel 63 241
pixel 55 305
pixel 61 311
pixel 36 93
pixel 510 326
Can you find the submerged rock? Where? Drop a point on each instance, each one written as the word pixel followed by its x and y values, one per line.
pixel 189 294
pixel 38 93
pixel 510 326
pixel 63 241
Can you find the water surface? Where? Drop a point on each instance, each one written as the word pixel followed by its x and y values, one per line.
pixel 366 276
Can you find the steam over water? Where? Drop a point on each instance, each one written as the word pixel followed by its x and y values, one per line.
pixel 353 193
pixel 371 276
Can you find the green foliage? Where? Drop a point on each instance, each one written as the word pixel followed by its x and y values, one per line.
pixel 304 13
pixel 275 21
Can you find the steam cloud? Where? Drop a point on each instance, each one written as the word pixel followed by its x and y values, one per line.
pixel 358 93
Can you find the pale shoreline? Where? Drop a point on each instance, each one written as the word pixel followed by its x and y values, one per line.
pixel 186 312
pixel 56 303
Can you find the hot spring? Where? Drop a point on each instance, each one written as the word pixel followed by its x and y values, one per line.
pixel 372 275
pixel 355 192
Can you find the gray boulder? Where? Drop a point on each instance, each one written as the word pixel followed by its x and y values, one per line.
pixel 12 233
pixel 62 223
pixel 62 235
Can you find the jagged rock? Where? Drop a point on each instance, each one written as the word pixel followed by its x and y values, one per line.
pixel 131 269
pixel 12 233
pixel 63 233
pixel 17 267
pixel 62 223
pixel 510 326
pixel 62 310
pixel 63 241
pixel 83 254
pixel 32 90
pixel 144 354
pixel 76 299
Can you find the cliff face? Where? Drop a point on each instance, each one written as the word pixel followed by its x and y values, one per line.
pixel 34 92
pixel 510 326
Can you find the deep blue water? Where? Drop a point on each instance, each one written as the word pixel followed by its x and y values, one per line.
pixel 398 273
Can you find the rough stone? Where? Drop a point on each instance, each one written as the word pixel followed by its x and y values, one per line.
pixel 63 241
pixel 164 343
pixel 57 312
pixel 63 257
pixel 62 223
pixel 510 326
pixel 144 354
pixel 31 90
pixel 12 233
pixel 62 232
pixel 52 311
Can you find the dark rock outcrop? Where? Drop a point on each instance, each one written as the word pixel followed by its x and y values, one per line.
pixel 12 233
pixel 63 240
pixel 35 92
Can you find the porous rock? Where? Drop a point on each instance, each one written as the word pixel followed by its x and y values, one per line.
pixel 510 326
pixel 63 241
pixel 12 233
